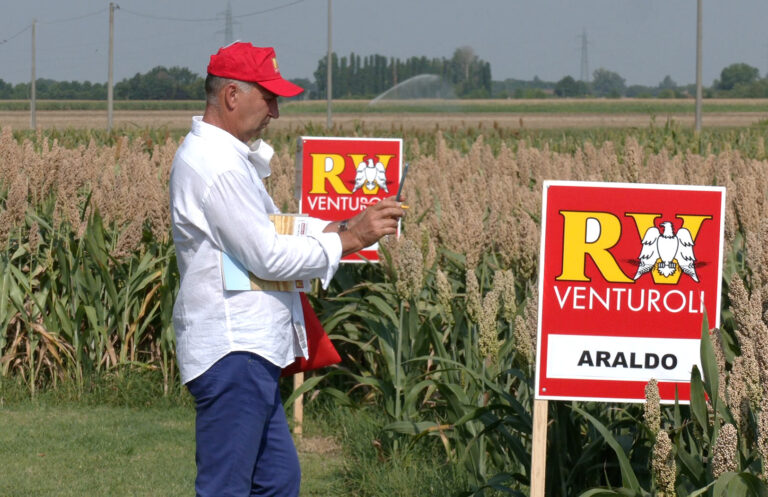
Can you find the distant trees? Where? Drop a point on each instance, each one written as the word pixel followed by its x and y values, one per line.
pixel 519 88
pixel 470 75
pixel 740 80
pixel 176 83
pixel 607 83
pixel 736 75
pixel 7 91
pixel 569 87
pixel 48 89
pixel 667 88
pixel 365 77
pixel 70 90
pixel 739 74
pixel 464 75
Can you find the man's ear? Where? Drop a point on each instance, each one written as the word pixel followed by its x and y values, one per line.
pixel 229 94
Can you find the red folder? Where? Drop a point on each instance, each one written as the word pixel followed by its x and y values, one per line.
pixel 322 353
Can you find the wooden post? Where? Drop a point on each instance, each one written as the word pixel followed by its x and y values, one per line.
pixel 697 125
pixel 298 406
pixel 539 452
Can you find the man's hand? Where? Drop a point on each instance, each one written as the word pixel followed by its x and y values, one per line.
pixel 369 226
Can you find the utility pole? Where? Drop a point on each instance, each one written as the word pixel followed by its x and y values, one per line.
pixel 110 71
pixel 584 61
pixel 698 67
pixel 697 125
pixel 329 120
pixel 32 89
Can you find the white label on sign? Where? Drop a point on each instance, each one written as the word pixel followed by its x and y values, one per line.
pixel 621 358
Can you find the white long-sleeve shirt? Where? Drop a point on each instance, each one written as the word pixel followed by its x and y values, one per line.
pixel 219 204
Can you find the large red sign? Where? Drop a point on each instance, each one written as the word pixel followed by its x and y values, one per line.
pixel 339 177
pixel 627 273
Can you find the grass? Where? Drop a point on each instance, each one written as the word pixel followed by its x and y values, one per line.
pixel 372 468
pixel 82 450
pixel 77 450
pixel 120 437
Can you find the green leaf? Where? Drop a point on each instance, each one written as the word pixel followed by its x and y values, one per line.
pixel 308 385
pixel 382 306
pixel 628 477
pixel 698 401
pixel 694 466
pixel 701 491
pixel 341 398
pixel 410 427
pixel 414 392
pixel 709 363
pixel 744 484
pixel 600 492
pixel 723 482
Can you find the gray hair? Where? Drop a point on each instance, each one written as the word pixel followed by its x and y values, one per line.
pixel 214 84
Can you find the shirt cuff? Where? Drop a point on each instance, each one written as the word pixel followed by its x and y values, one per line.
pixel 331 245
pixel 315 225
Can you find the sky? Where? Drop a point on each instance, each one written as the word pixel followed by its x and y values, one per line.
pixel 641 40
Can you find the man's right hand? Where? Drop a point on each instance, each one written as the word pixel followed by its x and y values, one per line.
pixel 369 226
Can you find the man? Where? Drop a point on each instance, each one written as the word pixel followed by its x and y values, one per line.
pixel 232 345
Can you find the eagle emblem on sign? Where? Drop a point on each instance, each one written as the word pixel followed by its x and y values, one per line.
pixel 371 175
pixel 667 250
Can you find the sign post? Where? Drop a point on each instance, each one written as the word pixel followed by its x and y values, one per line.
pixel 626 275
pixel 539 450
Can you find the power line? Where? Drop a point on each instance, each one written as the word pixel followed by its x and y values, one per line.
pixel 17 34
pixel 164 18
pixel 209 19
pixel 77 18
pixel 55 21
pixel 271 9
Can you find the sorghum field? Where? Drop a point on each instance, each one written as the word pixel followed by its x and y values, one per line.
pixel 439 341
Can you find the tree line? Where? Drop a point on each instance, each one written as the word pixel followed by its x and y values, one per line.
pixel 160 83
pixel 366 77
pixel 464 75
pixel 737 80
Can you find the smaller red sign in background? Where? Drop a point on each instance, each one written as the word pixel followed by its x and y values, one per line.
pixel 327 172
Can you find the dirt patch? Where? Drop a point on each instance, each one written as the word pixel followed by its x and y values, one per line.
pixel 318 445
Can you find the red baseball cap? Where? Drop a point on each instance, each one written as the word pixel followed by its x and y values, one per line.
pixel 244 62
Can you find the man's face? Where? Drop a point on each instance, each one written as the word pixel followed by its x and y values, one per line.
pixel 255 108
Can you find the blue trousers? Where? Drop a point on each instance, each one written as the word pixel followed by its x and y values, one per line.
pixel 244 445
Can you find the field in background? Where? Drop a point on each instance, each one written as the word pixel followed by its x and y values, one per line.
pixel 533 114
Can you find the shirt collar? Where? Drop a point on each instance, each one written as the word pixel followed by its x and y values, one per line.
pixel 259 154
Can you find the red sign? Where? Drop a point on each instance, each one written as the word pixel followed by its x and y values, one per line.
pixel 342 176
pixel 627 272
